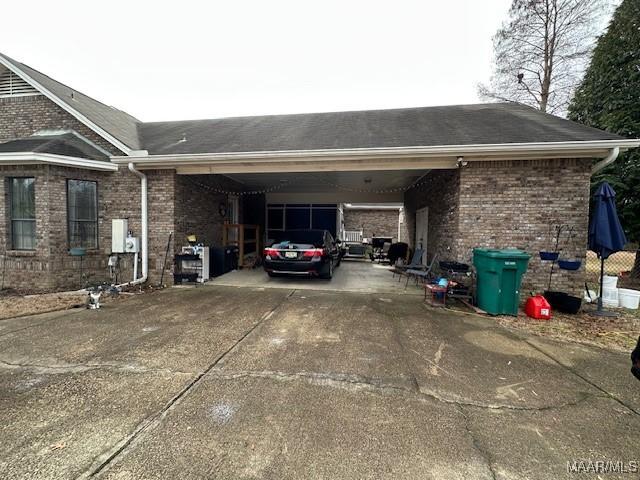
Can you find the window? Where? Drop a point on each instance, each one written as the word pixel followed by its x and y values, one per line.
pixel 82 213
pixel 22 196
pixel 234 209
pixel 233 214
pixel 301 217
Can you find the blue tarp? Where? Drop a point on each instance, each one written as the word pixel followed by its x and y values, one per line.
pixel 605 232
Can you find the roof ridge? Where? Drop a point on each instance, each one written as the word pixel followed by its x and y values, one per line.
pixel 330 112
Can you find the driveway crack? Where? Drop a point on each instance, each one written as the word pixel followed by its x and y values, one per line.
pixel 153 421
pixel 476 442
pixel 84 367
pixel 403 386
pixel 583 378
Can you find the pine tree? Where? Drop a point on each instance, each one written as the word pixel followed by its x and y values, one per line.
pixel 609 98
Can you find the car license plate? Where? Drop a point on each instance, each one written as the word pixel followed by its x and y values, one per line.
pixel 291 254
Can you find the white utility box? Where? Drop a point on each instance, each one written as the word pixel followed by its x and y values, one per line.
pixel 132 245
pixel 119 229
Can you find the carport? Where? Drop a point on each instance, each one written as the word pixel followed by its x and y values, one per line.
pixel 313 200
pixel 492 175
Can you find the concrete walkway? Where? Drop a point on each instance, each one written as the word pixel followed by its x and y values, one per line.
pixel 228 382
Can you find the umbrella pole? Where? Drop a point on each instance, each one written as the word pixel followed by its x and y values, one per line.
pixel 601 284
pixel 601 312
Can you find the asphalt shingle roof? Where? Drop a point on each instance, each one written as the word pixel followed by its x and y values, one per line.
pixel 492 123
pixel 119 124
pixel 66 144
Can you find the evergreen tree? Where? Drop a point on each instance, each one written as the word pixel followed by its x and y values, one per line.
pixel 609 98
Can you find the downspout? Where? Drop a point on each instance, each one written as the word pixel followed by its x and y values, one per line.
pixel 608 160
pixel 145 225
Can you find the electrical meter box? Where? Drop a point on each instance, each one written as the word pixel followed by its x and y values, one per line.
pixel 132 245
pixel 119 229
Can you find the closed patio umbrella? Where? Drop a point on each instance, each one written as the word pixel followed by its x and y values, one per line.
pixel 605 232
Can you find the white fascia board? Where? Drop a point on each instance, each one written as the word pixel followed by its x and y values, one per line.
pixel 371 206
pixel 596 148
pixel 34 158
pixel 65 106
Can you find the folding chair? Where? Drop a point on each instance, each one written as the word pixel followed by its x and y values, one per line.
pixel 420 274
pixel 416 263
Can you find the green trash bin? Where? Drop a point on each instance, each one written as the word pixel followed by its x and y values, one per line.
pixel 499 274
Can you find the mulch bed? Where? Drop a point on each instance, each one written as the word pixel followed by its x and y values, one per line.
pixel 618 333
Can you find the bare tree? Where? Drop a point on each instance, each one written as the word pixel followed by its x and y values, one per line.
pixel 541 52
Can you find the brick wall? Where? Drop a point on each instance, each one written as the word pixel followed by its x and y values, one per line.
pixel 508 204
pixel 197 206
pixel 374 222
pixel 512 204
pixel 23 116
pixel 439 192
pixel 177 204
pixel 49 266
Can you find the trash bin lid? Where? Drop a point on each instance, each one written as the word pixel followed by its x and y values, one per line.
pixel 512 253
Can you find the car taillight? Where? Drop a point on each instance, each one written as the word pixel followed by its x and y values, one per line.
pixel 271 252
pixel 316 252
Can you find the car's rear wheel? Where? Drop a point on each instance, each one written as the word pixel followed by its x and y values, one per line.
pixel 329 274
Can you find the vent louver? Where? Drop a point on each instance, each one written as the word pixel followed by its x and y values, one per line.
pixel 13 86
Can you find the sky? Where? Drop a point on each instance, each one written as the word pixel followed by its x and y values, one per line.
pixel 190 59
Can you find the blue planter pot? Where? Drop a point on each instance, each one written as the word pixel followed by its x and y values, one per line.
pixel 549 256
pixel 569 264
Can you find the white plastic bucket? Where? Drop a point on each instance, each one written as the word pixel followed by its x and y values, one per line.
pixel 609 282
pixel 610 297
pixel 629 298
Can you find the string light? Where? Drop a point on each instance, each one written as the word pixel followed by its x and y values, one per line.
pixel 419 182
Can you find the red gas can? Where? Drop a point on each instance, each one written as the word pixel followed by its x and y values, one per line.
pixel 537 307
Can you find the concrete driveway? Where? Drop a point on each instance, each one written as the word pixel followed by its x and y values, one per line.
pixel 230 382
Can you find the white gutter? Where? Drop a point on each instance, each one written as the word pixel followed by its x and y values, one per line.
pixel 34 158
pixel 145 227
pixel 561 149
pixel 608 160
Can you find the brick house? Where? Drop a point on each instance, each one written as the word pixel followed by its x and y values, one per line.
pixel 492 175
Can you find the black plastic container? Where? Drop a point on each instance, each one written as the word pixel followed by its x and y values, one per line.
pixel 563 302
pixel 453 266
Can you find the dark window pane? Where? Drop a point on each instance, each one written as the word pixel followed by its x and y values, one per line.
pixel 23 213
pixel 296 218
pixel 325 219
pixel 275 217
pixel 315 237
pixel 23 199
pixel 82 205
